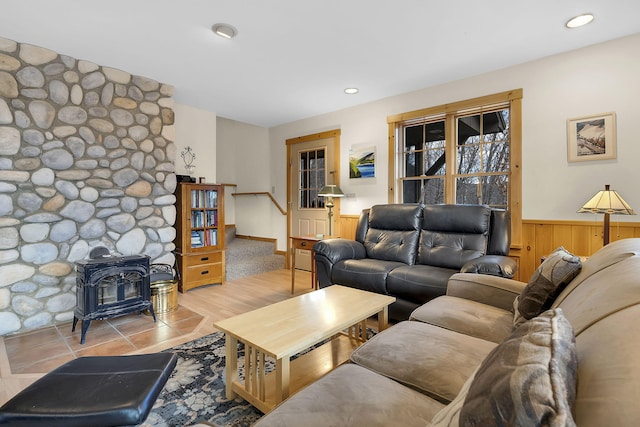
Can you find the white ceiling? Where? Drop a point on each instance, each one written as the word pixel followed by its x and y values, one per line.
pixel 293 58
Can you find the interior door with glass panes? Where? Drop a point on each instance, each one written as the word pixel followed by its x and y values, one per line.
pixel 312 168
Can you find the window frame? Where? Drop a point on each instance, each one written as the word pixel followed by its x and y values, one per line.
pixel 315 202
pixel 509 99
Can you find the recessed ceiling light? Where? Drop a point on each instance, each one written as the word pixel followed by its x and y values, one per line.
pixel 579 20
pixel 224 30
pixel 351 90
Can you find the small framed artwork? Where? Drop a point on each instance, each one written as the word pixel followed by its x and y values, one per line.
pixel 362 161
pixel 591 138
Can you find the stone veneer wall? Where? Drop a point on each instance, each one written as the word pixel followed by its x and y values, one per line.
pixel 86 160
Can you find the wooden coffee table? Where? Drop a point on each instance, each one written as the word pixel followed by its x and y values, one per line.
pixel 286 328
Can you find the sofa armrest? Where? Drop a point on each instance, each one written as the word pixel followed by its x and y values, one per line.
pixel 494 265
pixel 328 252
pixel 492 290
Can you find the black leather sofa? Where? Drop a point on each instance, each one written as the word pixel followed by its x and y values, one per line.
pixel 409 251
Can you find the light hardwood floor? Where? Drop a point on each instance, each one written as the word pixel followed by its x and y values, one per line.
pixel 26 357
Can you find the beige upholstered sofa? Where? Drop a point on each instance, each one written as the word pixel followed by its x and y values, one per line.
pixel 430 370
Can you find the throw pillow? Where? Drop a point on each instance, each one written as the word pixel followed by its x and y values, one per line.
pixel 527 380
pixel 518 319
pixel 553 275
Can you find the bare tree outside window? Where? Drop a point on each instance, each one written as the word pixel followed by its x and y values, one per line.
pixel 483 159
pixel 467 151
pixel 481 172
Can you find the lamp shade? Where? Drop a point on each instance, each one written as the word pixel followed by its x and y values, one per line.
pixel 607 202
pixel 331 191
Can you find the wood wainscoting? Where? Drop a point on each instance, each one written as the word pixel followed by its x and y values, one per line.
pixel 346 226
pixel 539 238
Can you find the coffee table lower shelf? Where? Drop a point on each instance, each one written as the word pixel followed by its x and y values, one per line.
pixel 303 371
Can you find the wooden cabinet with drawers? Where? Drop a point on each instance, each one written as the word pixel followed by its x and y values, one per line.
pixel 199 234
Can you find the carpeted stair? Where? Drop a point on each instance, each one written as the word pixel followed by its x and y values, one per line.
pixel 246 257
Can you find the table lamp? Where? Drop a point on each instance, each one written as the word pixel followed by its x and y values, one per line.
pixel 330 191
pixel 607 202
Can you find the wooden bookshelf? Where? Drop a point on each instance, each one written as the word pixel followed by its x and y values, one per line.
pixel 199 234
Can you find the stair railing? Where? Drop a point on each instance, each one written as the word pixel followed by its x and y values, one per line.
pixel 263 193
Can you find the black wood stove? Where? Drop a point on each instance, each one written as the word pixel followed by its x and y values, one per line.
pixel 109 287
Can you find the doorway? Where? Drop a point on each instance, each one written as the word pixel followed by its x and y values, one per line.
pixel 313 162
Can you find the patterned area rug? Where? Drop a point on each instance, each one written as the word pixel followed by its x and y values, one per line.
pixel 195 392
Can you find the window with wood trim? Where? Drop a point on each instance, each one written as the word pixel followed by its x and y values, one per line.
pixel 312 170
pixel 465 152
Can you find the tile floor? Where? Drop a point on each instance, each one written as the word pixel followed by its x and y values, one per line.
pixel 45 349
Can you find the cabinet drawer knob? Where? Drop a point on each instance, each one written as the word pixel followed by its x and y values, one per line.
pixel 204 272
pixel 204 258
pixel 303 244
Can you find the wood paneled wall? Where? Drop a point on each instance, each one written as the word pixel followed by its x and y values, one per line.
pixel 346 226
pixel 540 237
pixel 578 237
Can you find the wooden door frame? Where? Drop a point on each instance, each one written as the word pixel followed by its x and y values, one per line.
pixel 335 134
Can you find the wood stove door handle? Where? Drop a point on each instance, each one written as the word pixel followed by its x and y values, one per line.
pixel 206 258
pixel 204 272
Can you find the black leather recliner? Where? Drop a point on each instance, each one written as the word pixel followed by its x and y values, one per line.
pixel 409 251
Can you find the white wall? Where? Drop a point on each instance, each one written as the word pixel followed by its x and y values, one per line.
pixel 593 80
pixel 243 159
pixel 196 128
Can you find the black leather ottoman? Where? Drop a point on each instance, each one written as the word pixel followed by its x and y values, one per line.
pixel 92 391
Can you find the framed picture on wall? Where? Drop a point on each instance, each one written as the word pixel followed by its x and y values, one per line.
pixel 591 138
pixel 362 161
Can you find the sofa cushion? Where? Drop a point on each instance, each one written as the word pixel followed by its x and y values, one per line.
pixel 452 235
pixel 418 283
pixel 403 217
pixel 449 416
pixel 471 219
pixel 353 396
pixel 608 369
pixel 366 274
pixel 601 261
pixel 491 290
pixel 466 317
pixel 529 379
pixel 449 250
pixel 393 231
pixel 428 358
pixel 500 234
pixel 546 283
pixel 391 245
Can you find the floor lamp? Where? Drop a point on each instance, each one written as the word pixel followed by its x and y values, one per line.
pixel 607 202
pixel 329 192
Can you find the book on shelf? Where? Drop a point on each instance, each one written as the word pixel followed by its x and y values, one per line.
pixel 212 198
pixel 197 219
pixel 196 239
pixel 197 198
pixel 211 238
pixel 212 218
